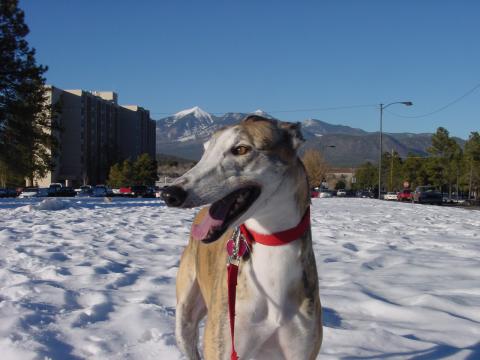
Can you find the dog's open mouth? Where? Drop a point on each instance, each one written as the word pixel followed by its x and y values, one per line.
pixel 223 212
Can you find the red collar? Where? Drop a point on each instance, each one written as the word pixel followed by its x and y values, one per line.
pixel 279 238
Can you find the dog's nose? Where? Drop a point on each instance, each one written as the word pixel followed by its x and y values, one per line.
pixel 173 195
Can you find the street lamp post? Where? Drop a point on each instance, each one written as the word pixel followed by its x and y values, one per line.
pixel 383 107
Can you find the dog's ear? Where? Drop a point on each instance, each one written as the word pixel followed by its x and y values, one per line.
pixel 294 133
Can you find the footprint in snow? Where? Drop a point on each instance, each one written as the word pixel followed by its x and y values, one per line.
pixel 127 279
pixel 350 246
pixel 96 313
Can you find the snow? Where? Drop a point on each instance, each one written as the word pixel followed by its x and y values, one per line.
pixel 260 112
pixel 88 278
pixel 187 138
pixel 196 112
pixel 309 122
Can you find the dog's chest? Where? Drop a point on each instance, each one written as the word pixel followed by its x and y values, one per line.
pixel 271 277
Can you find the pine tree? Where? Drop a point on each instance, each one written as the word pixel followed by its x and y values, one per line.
pixel 145 170
pixel 472 159
pixel 414 170
pixel 444 167
pixel 26 141
pixel 392 170
pixel 127 172
pixel 116 177
pixel 366 177
pixel 142 172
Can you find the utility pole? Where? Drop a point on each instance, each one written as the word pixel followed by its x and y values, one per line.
pixel 391 172
pixel 382 107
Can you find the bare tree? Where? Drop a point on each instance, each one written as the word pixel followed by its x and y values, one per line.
pixel 316 166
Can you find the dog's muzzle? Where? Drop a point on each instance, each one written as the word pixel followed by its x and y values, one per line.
pixel 173 196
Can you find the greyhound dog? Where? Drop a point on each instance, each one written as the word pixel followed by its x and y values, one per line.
pixel 252 177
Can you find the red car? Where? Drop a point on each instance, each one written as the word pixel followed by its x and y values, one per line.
pixel 126 191
pixel 405 195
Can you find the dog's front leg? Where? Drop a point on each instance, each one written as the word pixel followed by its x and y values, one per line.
pixel 191 306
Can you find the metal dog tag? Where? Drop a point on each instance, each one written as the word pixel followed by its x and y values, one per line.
pixel 242 248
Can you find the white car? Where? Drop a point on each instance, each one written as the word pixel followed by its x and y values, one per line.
pixel 390 196
pixel 341 192
pixel 28 193
pixel 325 194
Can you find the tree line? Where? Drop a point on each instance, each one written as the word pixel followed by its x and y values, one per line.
pixel 27 120
pixel 142 171
pixel 448 167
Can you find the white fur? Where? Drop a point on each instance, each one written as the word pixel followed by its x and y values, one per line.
pixel 268 324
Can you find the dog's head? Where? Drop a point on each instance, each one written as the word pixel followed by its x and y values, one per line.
pixel 241 169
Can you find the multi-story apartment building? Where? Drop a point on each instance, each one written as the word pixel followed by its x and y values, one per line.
pixel 96 132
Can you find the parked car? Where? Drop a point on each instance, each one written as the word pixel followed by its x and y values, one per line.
pixel 151 192
pixel 28 192
pixel 405 195
pixel 125 191
pixel 390 196
pixel 5 192
pixel 427 195
pixel 101 191
pixel 54 188
pixel 314 193
pixel 364 194
pixel 341 192
pixel 142 191
pixel 43 192
pixel 68 191
pixel 62 192
pixel 325 194
pixel 85 191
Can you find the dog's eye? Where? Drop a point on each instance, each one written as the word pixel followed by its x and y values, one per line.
pixel 240 150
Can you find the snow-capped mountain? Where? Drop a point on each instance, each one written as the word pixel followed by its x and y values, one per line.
pixel 196 124
pixel 185 125
pixel 195 112
pixel 260 112
pixel 183 134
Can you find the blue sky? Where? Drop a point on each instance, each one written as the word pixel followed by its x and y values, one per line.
pixel 276 56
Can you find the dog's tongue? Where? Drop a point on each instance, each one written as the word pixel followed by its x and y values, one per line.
pixel 215 217
pixel 200 231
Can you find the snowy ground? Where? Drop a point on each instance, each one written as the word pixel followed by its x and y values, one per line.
pixel 91 279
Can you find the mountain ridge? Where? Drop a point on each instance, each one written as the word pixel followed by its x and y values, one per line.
pixel 183 134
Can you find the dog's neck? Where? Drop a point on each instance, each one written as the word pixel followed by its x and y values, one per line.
pixel 286 207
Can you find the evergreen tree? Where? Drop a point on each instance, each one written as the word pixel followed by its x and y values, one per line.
pixel 366 177
pixel 392 171
pixel 414 171
pixel 115 176
pixel 142 172
pixel 472 162
pixel 444 166
pixel 127 172
pixel 26 141
pixel 340 185
pixel 145 170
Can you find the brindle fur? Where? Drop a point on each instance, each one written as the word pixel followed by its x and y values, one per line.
pixel 202 283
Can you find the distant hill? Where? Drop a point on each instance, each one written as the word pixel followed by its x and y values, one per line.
pixel 183 135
